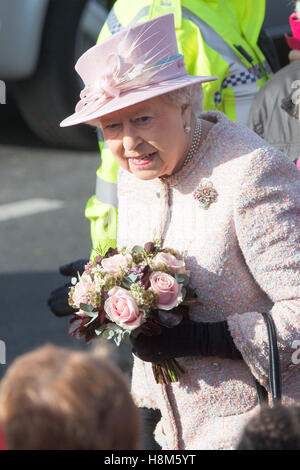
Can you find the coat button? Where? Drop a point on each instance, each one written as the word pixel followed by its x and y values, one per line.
pixel 158 194
pixel 216 365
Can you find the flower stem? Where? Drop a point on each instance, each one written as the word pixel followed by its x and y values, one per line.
pixel 168 372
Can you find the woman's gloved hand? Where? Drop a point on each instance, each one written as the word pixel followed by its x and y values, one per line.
pixel 58 300
pixel 189 338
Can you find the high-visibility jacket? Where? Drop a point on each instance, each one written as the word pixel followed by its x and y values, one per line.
pixel 216 37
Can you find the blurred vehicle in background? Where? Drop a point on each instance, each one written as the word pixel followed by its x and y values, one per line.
pixel 276 24
pixel 40 40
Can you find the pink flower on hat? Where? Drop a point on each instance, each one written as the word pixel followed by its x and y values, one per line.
pixel 106 86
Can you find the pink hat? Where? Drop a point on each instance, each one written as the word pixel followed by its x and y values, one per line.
pixel 294 40
pixel 134 65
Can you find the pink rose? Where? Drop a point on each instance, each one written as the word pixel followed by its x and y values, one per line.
pixel 168 290
pixel 82 291
pixel 121 308
pixel 177 265
pixel 114 263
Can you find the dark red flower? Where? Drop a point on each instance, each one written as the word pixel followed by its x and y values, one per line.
pixel 149 247
pixel 101 315
pixel 145 278
pixel 111 252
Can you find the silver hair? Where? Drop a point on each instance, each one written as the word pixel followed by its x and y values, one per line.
pixel 190 95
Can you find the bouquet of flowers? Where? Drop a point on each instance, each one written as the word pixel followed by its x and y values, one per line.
pixel 129 292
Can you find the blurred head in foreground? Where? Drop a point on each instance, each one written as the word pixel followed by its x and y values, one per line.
pixel 276 428
pixel 53 398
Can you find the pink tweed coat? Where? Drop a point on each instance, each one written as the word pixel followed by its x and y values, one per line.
pixel 243 252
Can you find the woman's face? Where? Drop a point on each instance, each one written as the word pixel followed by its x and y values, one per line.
pixel 148 138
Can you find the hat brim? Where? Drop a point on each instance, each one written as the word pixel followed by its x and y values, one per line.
pixel 131 97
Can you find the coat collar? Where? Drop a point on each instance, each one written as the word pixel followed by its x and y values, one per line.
pixel 220 121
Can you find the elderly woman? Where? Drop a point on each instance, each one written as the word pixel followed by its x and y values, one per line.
pixel 215 191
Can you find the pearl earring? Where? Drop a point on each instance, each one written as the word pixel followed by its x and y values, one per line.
pixel 187 129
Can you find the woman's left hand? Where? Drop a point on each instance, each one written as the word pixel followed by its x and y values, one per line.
pixel 189 338
pixel 160 348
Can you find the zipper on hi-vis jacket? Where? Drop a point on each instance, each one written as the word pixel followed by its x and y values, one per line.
pixel 255 69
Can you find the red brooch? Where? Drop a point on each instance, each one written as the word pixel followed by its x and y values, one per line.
pixel 205 193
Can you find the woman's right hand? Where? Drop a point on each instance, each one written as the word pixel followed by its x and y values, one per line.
pixel 58 300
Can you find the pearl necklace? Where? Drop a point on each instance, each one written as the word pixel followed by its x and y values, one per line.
pixel 195 142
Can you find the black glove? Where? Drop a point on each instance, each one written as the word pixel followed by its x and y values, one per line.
pixel 189 338
pixel 58 300
pixel 150 419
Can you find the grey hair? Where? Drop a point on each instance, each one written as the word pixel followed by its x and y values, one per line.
pixel 190 95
